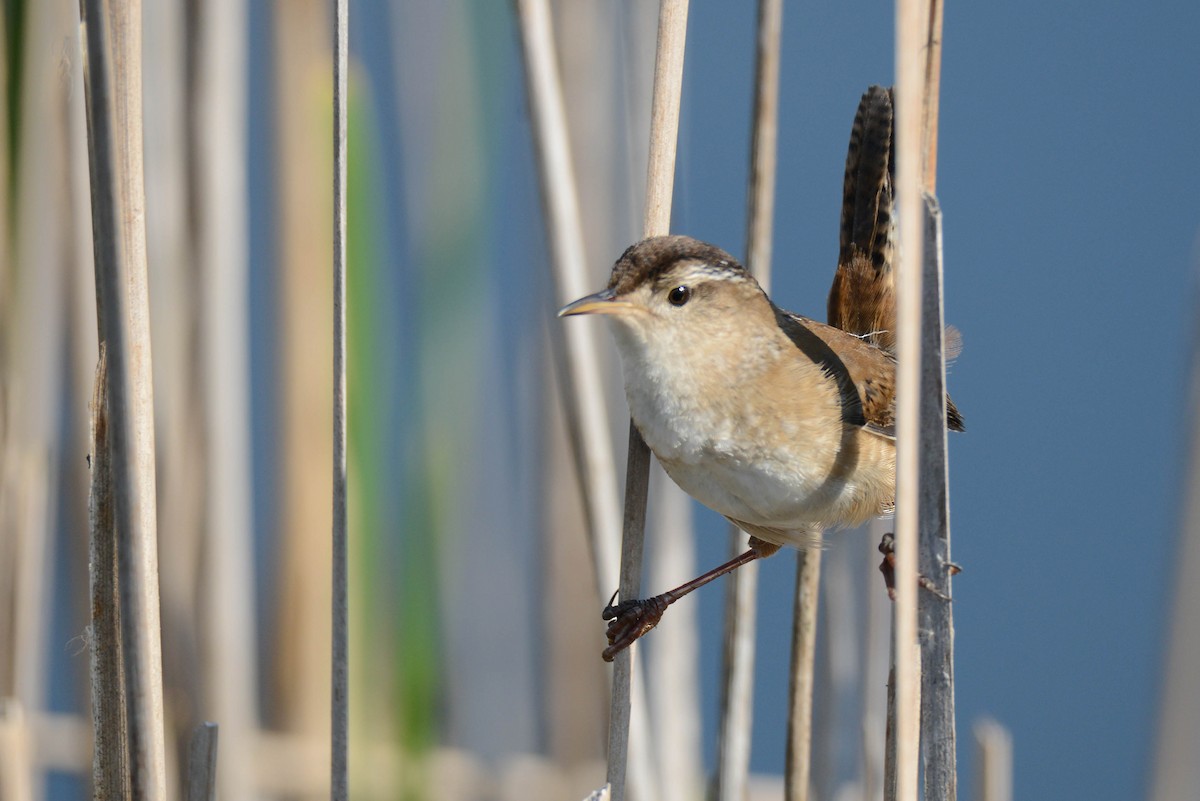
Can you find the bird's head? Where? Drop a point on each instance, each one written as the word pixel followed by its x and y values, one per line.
pixel 673 292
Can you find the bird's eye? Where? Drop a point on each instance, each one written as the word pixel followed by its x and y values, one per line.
pixel 679 295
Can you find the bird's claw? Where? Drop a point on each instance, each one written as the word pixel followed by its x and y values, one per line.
pixel 887 547
pixel 629 620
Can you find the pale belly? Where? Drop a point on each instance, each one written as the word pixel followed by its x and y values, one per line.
pixel 788 494
pixel 755 468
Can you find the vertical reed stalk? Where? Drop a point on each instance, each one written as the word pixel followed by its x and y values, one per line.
pixel 6 244
pixel 798 762
pixel 737 678
pixel 889 748
pixel 202 764
pixel 993 763
pixel 673 658
pixel 933 86
pixel 576 350
pixel 32 335
pixel 660 180
pixel 113 86
pixel 760 213
pixel 922 497
pixel 175 219
pixel 875 640
pixel 301 679
pixel 1175 771
pixel 217 123
pixel 936 614
pixel 737 694
pixel 110 775
pixel 16 761
pixel 339 781
pixel 911 30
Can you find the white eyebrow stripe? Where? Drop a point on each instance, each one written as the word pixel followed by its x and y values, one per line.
pixel 721 271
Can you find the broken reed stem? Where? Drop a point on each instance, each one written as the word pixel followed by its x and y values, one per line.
pixel 660 182
pixel 340 690
pixel 110 750
pixel 993 763
pixel 737 679
pixel 113 90
pixel 935 615
pixel 202 763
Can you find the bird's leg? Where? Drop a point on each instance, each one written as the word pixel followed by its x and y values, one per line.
pixel 629 620
pixel 887 547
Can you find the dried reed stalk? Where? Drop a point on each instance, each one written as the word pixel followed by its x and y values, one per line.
pixel 576 351
pixel 660 181
pixel 935 614
pixel 202 763
pixel 798 762
pixel 301 679
pixel 217 124
pixel 32 334
pixel 16 759
pixel 737 679
pixel 113 84
pixel 933 86
pixel 110 776
pixel 340 702
pixel 993 764
pixel 175 219
pixel 922 497
pixel 6 243
pixel 1176 771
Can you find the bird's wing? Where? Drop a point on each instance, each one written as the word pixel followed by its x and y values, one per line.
pixel 865 374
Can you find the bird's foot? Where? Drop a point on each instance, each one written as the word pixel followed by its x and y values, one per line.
pixel 629 620
pixel 887 547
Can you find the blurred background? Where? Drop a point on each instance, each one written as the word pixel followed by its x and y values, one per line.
pixel 1069 183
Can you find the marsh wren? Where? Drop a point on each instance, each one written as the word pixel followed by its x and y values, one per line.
pixel 780 423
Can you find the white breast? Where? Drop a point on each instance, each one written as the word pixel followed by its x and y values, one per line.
pixel 760 471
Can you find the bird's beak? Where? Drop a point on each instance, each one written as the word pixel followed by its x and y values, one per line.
pixel 603 302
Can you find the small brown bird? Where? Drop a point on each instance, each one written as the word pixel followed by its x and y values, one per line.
pixel 780 423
